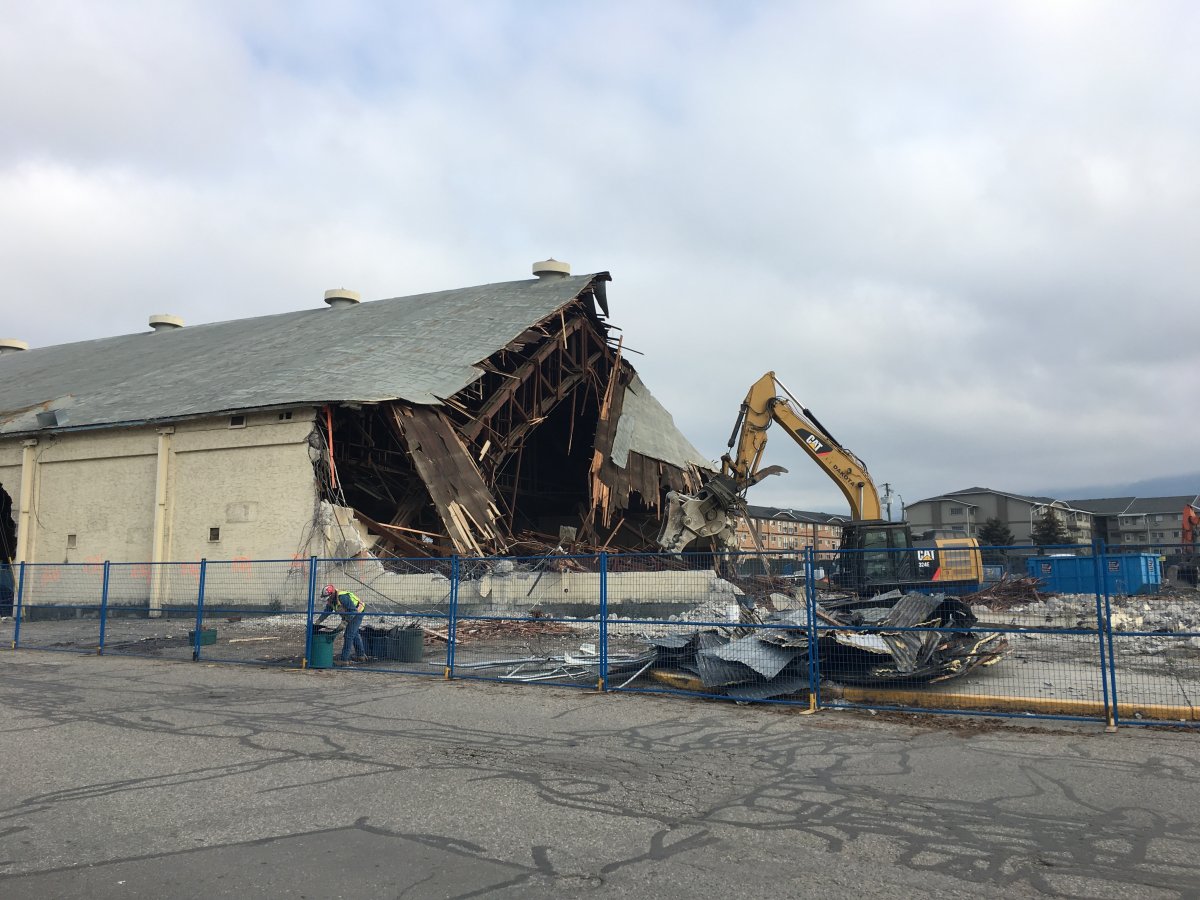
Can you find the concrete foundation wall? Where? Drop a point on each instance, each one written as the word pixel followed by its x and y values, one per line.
pixel 283 587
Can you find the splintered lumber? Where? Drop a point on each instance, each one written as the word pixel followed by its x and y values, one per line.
pixel 455 484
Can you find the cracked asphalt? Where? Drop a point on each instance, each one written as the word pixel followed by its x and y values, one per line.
pixel 143 778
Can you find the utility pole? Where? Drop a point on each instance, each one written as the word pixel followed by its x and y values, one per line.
pixel 887 499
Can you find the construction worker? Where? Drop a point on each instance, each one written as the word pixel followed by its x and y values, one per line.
pixel 352 610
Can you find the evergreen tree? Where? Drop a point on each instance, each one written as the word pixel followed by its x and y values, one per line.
pixel 992 534
pixel 1049 531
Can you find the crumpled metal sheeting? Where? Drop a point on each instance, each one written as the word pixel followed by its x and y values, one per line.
pixel 912 649
pixel 714 670
pixel 912 610
pixel 671 641
pixel 765 690
pixel 759 663
pixel 946 656
pixel 766 659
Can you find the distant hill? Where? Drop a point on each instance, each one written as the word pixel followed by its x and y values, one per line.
pixel 1163 486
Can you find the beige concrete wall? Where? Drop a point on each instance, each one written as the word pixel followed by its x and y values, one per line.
pixel 104 503
pixel 255 483
pixel 510 590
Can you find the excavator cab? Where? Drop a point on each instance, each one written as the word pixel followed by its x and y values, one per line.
pixel 878 556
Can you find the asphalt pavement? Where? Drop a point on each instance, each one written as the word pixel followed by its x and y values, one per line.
pixel 137 778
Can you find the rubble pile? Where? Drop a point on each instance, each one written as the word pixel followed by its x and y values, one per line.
pixel 872 646
pixel 469 630
pixel 1009 591
pixel 1175 618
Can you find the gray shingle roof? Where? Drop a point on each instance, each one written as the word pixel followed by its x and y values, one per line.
pixel 647 428
pixel 1104 506
pixel 418 348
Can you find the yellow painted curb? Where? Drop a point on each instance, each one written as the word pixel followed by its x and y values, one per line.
pixel 984 703
pixel 981 703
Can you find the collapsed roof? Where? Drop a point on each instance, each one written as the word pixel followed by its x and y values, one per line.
pixel 454 421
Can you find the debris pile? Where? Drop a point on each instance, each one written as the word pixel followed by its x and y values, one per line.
pixel 469 630
pixel 872 644
pixel 1008 592
pixel 1168 622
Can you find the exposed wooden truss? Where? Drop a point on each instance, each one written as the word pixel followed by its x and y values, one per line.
pixel 455 477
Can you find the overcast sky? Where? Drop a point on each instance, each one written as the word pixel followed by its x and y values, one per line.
pixel 966 235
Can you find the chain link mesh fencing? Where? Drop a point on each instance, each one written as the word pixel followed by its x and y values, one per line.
pixel 1066 632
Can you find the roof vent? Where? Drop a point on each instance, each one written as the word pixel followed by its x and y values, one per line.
pixel 340 297
pixel 165 322
pixel 12 345
pixel 551 268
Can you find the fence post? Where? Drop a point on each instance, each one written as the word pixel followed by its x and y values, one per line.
pixel 20 602
pixel 603 683
pixel 452 624
pixel 1102 634
pixel 810 604
pixel 199 611
pixel 311 608
pixel 103 609
pixel 1115 719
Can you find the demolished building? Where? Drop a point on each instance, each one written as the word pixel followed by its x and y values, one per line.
pixel 496 419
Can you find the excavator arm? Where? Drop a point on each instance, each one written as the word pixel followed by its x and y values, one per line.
pixel 763 406
pixel 713 512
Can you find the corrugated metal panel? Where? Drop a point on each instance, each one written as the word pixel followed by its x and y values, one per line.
pixel 647 428
pixel 417 348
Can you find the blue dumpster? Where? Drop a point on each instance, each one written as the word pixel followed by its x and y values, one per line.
pixel 1124 573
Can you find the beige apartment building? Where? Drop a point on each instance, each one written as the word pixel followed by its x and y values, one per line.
pixel 789 530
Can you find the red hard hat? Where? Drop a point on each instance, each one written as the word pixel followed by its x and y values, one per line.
pixel 328 591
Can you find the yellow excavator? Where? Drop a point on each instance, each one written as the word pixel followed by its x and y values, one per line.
pixel 875 555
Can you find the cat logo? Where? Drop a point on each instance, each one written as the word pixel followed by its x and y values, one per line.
pixel 813 442
pixel 925 555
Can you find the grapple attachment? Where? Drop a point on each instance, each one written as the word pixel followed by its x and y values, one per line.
pixel 713 511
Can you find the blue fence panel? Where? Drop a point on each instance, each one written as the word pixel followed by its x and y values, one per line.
pixel 530 620
pixel 151 608
pixel 9 578
pixel 406 623
pixel 986 650
pixel 775 627
pixel 58 607
pixel 1155 638
pixel 254 611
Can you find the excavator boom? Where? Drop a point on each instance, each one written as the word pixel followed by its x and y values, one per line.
pixel 714 511
pixel 875 555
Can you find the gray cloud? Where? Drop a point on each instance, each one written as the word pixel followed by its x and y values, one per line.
pixel 962 233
